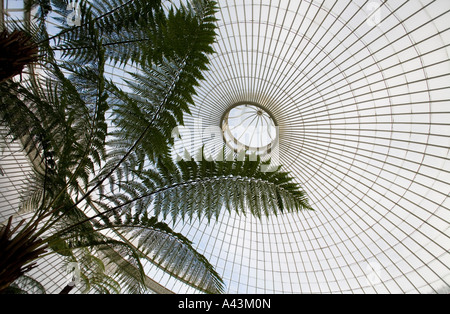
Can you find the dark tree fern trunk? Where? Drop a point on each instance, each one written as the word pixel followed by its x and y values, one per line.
pixel 67 289
pixel 18 250
pixel 16 51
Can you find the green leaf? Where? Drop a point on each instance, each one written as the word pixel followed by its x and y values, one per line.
pixel 61 247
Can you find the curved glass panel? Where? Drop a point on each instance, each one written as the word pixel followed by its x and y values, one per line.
pixel 250 128
pixel 359 92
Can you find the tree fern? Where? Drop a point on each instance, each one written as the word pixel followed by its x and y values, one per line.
pixel 25 285
pixel 236 185
pixel 186 189
pixel 58 130
pixel 137 31
pixel 122 24
pixel 140 238
pixel 122 171
pixel 171 252
pixel 161 94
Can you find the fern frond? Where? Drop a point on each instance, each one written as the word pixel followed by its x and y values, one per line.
pixel 240 186
pixel 173 253
pixel 25 285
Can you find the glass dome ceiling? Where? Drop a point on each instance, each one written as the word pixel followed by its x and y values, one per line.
pixel 359 91
pixel 250 128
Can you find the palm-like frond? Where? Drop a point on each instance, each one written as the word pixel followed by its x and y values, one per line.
pixel 172 252
pixel 204 188
pixel 119 262
pixel 61 124
pixel 61 119
pixel 134 32
pixel 160 93
pixel 94 274
pixel 18 249
pixel 196 188
pixel 25 285
pixel 106 265
pixel 123 25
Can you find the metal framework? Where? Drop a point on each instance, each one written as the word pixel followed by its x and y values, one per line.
pixel 249 127
pixel 360 92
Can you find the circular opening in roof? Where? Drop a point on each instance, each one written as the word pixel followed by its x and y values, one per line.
pixel 248 126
